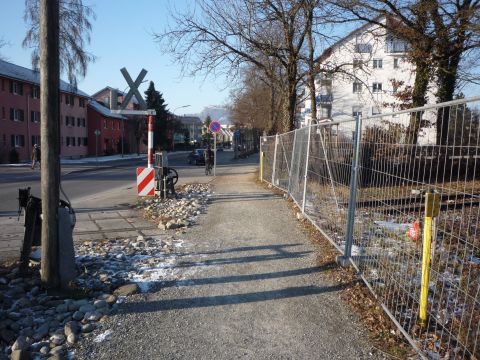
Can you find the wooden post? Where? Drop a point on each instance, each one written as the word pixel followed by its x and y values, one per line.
pixel 49 131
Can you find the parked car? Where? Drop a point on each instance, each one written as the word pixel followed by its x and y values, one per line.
pixel 196 157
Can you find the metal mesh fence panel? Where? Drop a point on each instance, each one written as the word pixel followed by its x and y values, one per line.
pixel 299 158
pixel 415 238
pixel 328 178
pixel 268 149
pixel 403 157
pixel 283 159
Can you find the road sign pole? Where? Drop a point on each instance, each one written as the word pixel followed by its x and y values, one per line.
pixel 150 141
pixel 214 153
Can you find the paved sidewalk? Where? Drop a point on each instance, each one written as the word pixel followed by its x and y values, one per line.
pixel 248 287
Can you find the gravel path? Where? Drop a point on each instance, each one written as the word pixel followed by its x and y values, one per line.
pixel 247 287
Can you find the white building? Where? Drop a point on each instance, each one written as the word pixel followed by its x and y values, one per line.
pixel 369 60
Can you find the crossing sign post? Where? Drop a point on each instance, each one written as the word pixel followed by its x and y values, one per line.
pixel 215 127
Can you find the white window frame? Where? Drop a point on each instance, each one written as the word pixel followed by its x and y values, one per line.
pixel 377 87
pixel 377 63
pixel 17 142
pixel 357 87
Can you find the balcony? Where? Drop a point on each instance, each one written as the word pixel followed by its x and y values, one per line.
pixel 396 47
pixel 324 99
pixel 363 48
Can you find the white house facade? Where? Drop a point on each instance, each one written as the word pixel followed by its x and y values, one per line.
pixel 371 64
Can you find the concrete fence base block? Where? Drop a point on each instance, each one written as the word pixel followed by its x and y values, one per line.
pixel 343 261
pixel 66 250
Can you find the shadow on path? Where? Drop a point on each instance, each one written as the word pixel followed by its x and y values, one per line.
pixel 234 299
pixel 251 277
pixel 243 259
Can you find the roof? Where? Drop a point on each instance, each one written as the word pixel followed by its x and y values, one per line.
pixel 104 110
pixel 190 120
pixel 328 51
pixel 21 73
pixel 119 93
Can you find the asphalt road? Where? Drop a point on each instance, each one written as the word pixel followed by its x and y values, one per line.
pixel 90 187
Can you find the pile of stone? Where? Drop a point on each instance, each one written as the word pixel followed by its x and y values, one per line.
pixel 181 211
pixel 34 323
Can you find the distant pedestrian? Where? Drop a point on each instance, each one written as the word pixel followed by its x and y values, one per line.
pixel 35 156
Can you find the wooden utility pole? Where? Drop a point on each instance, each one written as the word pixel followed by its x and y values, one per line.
pixel 50 131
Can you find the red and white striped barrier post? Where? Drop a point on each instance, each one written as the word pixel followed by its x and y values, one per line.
pixel 151 121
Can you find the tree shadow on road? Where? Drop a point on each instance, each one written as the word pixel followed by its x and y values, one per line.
pixel 249 277
pixel 234 299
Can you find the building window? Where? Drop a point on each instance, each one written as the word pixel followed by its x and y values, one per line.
pixel 16 88
pixel 357 87
pixel 69 99
pixel 73 141
pixel 377 87
pixel 357 63
pixel 81 102
pixel 78 122
pixel 16 114
pixel 325 112
pixel 356 111
pixel 396 63
pixel 377 63
pixel 17 140
pixel 35 116
pixel 84 123
pixel 35 92
pixel 35 139
pixel 375 110
pixel 79 141
pixel 85 141
pixel 104 124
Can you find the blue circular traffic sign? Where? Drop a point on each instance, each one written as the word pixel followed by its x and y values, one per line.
pixel 215 126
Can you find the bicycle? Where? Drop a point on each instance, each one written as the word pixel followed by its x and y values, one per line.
pixel 208 168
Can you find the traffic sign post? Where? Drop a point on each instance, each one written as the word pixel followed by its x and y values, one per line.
pixel 215 127
pixel 97 134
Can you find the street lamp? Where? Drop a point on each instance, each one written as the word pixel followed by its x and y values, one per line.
pixel 173 133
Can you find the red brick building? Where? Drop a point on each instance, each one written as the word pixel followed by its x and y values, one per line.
pixel 20 114
pixel 109 127
pixel 135 126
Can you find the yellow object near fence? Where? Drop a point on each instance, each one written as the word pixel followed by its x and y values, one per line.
pixel 432 209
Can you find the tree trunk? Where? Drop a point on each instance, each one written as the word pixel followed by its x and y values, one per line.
pixel 446 80
pixel 420 87
pixel 291 96
pixel 50 130
pixel 311 69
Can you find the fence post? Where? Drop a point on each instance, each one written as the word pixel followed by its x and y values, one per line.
pixel 261 158
pixel 306 169
pixel 343 260
pixel 291 163
pixel 274 160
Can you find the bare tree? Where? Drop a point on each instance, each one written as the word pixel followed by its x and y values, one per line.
pixel 2 44
pixel 223 36
pixel 74 34
pixel 440 33
pixel 251 104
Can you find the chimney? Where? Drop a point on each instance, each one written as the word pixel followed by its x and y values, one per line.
pixel 113 99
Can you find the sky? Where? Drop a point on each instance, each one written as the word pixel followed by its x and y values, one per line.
pixel 122 37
